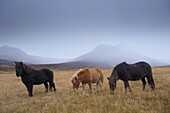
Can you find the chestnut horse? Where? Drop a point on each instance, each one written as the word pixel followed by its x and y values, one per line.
pixel 87 76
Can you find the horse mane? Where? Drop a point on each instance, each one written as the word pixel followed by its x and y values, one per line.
pixel 75 75
pixel 27 69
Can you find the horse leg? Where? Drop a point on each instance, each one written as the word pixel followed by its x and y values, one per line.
pixel 97 84
pixel 144 83
pixel 90 86
pixel 54 86
pixel 129 88
pixel 27 87
pixel 83 86
pixel 51 85
pixel 46 86
pixel 100 84
pixel 30 88
pixel 126 83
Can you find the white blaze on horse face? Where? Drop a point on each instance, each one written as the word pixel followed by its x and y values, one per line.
pixel 74 81
pixel 73 78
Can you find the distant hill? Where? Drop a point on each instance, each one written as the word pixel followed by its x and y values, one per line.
pixel 107 55
pixel 9 54
pixel 80 64
pixel 104 56
pixel 6 62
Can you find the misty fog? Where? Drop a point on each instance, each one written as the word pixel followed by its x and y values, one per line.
pixel 68 29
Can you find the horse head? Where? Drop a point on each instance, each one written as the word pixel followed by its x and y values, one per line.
pixel 74 80
pixel 112 81
pixel 19 68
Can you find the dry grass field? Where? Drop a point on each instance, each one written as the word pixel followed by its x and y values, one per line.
pixel 14 97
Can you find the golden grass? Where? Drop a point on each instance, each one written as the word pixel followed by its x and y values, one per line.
pixel 14 97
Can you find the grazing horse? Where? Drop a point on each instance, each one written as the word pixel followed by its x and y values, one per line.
pixel 132 72
pixel 31 77
pixel 87 76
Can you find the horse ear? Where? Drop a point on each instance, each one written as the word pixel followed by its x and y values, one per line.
pixel 108 78
pixel 76 78
pixel 21 63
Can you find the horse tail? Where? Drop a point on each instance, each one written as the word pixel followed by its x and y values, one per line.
pixel 50 75
pixel 150 77
pixel 101 76
pixel 153 83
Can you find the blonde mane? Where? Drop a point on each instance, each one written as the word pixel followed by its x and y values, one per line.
pixel 75 75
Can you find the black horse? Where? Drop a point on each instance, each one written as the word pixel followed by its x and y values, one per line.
pixel 32 77
pixel 132 72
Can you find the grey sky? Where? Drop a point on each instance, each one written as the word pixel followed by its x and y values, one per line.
pixel 69 28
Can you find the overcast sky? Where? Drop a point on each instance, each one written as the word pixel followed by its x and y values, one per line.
pixel 69 28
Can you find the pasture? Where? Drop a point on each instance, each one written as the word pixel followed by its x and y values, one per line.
pixel 14 96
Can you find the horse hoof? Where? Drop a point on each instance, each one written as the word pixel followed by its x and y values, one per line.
pixel 30 95
pixel 112 92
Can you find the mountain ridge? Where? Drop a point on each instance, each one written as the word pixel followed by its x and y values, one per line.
pixel 16 54
pixel 112 55
pixel 104 56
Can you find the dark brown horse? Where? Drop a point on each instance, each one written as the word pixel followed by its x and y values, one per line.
pixel 87 76
pixel 32 77
pixel 132 72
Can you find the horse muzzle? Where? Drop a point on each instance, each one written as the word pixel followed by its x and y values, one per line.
pixel 74 89
pixel 18 72
pixel 17 75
